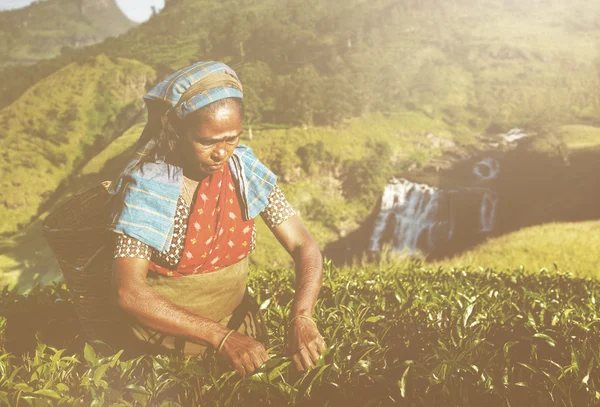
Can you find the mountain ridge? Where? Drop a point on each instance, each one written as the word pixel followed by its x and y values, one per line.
pixel 43 29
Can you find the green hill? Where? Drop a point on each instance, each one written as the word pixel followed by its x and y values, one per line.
pixel 58 124
pixel 569 246
pixel 42 29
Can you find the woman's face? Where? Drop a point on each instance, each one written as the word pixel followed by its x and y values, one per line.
pixel 207 145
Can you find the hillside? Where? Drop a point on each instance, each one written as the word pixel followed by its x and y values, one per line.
pixel 46 28
pixel 42 143
pixel 573 247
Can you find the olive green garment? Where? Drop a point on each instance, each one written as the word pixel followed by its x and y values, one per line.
pixel 219 296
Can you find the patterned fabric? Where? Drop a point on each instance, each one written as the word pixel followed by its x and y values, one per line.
pixel 172 256
pixel 129 247
pixel 146 210
pixel 277 212
pixel 217 235
pixel 279 209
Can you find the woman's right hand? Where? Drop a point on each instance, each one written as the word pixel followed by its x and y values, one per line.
pixel 243 353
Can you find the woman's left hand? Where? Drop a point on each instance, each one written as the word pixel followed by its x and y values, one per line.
pixel 305 343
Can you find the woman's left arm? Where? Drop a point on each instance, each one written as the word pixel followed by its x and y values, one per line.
pixel 305 342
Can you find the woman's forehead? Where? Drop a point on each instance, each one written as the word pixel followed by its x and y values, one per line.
pixel 222 123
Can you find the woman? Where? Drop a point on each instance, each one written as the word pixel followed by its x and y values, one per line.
pixel 185 224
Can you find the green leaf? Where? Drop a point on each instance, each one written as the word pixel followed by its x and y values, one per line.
pixel 115 359
pixel 23 387
pixel 402 382
pixel 62 387
pixel 99 373
pixel 4 397
pixel 375 318
pixel 137 389
pixel 48 393
pixel 89 354
pixel 467 314
pixel 265 304
pixel 97 403
pixel 507 346
pixel 545 337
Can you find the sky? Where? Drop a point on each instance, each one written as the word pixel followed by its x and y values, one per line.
pixel 136 10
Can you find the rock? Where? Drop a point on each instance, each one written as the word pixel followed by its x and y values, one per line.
pixel 514 135
pixel 438 142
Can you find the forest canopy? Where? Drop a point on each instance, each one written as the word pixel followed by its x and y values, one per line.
pixel 477 63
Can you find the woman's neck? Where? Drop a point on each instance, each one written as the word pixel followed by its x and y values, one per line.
pixel 189 189
pixel 195 176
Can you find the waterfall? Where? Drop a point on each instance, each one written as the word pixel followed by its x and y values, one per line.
pixel 424 217
pixel 417 211
pixel 487 216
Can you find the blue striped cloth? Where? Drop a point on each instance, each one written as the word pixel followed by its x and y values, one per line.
pixel 254 179
pixel 147 211
pixel 172 88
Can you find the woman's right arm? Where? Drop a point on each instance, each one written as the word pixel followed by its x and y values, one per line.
pixel 142 302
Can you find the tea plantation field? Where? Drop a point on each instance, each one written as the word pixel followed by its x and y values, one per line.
pixel 398 334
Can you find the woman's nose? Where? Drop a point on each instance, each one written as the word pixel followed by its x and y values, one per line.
pixel 219 153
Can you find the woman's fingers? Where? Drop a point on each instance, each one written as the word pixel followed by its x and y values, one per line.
pixel 296 358
pixel 244 353
pixel 321 345
pixel 302 360
pixel 306 343
pixel 265 356
pixel 306 359
pixel 314 352
pixel 239 369
pixel 259 359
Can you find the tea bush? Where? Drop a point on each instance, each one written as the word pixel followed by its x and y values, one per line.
pixel 397 335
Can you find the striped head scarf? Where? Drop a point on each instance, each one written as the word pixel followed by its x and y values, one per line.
pixel 182 93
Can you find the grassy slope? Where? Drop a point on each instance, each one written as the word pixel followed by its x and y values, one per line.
pixel 580 137
pixel 40 30
pixel 25 258
pixel 42 142
pixel 571 247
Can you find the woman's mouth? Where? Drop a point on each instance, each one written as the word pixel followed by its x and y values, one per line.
pixel 214 167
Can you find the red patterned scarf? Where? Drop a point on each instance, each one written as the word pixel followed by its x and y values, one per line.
pixel 217 236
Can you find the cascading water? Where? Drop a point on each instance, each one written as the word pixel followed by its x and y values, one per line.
pixel 415 211
pixel 424 217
